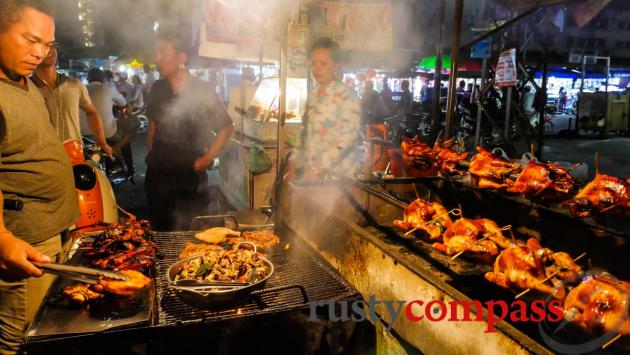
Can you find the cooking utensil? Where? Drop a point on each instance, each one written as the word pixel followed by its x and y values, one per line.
pixel 79 273
pixel 215 295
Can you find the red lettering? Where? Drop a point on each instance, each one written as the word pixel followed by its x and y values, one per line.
pixel 538 310
pixel 409 313
pixel 430 311
pixel 491 314
pixel 555 309
pixel 466 305
pixel 519 314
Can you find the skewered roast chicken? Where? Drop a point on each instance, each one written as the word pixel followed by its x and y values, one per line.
pixel 416 154
pixel 447 159
pixel 545 181
pixel 429 219
pixel 526 266
pixel 601 304
pixel 492 171
pixel 605 194
pixel 479 239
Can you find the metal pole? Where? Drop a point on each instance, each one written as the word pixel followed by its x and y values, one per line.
pixel 484 73
pixel 508 108
pixel 282 103
pixel 452 87
pixel 543 97
pixel 437 77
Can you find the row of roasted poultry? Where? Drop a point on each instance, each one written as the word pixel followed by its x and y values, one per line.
pixel 538 180
pixel 598 303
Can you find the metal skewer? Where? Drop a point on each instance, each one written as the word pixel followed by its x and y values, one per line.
pixel 611 341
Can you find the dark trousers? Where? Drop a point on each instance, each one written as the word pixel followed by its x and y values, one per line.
pixel 175 199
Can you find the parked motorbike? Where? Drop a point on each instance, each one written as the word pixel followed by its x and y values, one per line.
pixel 97 202
pixel 114 167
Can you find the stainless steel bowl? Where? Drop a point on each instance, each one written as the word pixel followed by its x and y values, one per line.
pixel 215 296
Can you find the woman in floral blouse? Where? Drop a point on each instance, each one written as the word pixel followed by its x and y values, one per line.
pixel 331 120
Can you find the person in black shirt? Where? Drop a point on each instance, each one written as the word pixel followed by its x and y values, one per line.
pixel 183 113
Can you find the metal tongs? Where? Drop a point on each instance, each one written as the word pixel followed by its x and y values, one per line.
pixel 80 273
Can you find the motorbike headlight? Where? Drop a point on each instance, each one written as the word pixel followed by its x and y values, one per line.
pixel 84 177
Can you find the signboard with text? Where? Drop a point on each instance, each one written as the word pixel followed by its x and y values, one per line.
pixel 506 68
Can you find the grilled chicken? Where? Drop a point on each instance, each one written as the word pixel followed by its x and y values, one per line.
pixel 545 181
pixel 478 238
pixel 416 154
pixel 217 235
pixel 136 282
pixel 447 159
pixel 492 171
pixel 601 304
pixel 526 266
pixel 430 220
pixel 605 194
pixel 83 293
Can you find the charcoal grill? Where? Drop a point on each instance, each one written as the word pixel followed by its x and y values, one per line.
pixel 300 277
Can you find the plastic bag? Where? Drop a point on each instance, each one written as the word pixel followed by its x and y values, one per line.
pixel 258 162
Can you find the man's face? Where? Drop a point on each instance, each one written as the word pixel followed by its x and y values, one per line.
pixel 25 44
pixel 51 58
pixel 167 60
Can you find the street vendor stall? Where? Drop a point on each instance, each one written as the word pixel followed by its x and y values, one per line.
pixel 244 186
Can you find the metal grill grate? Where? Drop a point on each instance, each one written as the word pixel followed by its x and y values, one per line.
pixel 296 266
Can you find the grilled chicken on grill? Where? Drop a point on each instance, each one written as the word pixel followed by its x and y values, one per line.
pixel 545 181
pixel 601 304
pixel 492 171
pixel 447 159
pixel 417 154
pixel 479 239
pixel 216 235
pixel 136 282
pixel 605 194
pixel 526 266
pixel 263 239
pixel 430 219
pixel 191 249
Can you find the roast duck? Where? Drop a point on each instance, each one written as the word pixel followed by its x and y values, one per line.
pixel 478 239
pixel 122 246
pixel 600 304
pixel 416 153
pixel 492 171
pixel 448 160
pixel 605 194
pixel 533 267
pixel 545 181
pixel 428 219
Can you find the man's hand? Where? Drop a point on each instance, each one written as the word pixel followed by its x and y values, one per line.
pixel 202 163
pixel 15 257
pixel 106 148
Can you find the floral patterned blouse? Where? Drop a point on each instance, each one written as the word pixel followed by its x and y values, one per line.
pixel 331 130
